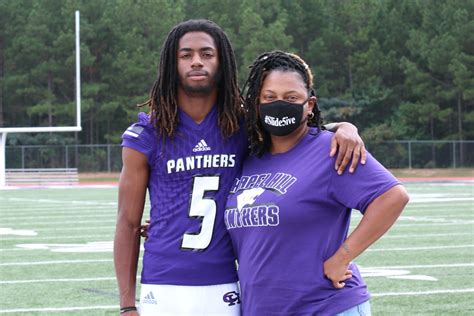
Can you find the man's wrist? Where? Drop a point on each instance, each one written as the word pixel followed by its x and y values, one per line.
pixel 127 309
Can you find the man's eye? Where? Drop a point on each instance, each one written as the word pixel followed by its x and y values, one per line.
pixel 186 56
pixel 208 55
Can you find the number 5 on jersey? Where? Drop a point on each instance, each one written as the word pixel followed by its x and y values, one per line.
pixel 204 209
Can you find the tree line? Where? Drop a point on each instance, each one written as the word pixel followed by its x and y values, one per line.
pixel 398 69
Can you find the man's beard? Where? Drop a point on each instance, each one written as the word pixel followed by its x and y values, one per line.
pixel 204 89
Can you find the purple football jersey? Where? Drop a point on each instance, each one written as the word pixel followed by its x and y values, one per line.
pixel 287 214
pixel 190 177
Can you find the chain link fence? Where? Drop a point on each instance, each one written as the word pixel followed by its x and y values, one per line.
pixel 107 158
pixel 86 158
pixel 424 154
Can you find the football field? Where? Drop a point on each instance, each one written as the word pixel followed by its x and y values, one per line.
pixel 56 252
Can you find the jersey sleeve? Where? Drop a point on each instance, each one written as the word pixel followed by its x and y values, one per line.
pixel 140 136
pixel 359 189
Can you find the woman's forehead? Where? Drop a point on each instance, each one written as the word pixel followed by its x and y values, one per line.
pixel 284 79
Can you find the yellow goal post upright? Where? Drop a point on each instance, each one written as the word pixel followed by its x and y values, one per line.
pixel 4 131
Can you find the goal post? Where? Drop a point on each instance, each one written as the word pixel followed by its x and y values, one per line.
pixel 74 128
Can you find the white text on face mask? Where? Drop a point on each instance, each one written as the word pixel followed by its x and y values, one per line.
pixel 274 121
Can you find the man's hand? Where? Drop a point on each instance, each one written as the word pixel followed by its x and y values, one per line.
pixel 348 144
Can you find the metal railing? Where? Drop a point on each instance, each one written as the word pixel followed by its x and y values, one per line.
pixel 107 157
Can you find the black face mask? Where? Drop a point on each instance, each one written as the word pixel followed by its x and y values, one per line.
pixel 281 118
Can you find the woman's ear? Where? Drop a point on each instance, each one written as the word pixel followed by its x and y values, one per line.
pixel 311 102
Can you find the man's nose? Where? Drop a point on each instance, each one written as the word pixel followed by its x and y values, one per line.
pixel 196 62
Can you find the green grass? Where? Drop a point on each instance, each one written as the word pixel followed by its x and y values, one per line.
pixel 432 241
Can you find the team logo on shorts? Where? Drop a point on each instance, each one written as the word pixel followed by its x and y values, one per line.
pixel 231 298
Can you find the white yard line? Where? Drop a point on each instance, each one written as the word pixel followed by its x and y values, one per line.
pixel 426 266
pixel 439 200
pixel 65 223
pixel 82 214
pixel 57 309
pixel 447 291
pixel 420 248
pixel 67 202
pixel 20 212
pixel 35 238
pixel 426 235
pixel 368 250
pixel 56 280
pixel 60 280
pixel 63 309
pixel 460 223
pixel 396 225
pixel 112 228
pixel 102 236
pixel 31 263
pixel 456 209
pixel 436 205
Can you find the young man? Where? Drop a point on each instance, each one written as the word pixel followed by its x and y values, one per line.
pixel 187 152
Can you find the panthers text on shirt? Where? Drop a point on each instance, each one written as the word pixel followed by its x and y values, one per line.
pixel 200 161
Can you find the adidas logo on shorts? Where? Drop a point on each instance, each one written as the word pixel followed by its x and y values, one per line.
pixel 149 299
pixel 201 146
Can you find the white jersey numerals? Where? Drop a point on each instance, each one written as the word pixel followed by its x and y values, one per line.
pixel 204 209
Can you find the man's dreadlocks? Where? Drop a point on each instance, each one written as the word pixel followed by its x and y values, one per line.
pixel 260 139
pixel 163 96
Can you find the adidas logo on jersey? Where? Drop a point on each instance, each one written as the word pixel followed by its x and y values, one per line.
pixel 149 299
pixel 201 146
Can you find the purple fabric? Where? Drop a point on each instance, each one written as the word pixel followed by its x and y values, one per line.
pixel 198 150
pixel 286 215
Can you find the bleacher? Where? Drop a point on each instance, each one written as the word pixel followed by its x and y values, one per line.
pixel 49 176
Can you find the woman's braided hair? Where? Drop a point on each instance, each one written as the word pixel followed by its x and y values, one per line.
pixel 260 140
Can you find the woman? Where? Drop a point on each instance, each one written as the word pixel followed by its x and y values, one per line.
pixel 288 214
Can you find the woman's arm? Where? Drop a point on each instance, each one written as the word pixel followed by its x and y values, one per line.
pixel 378 218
